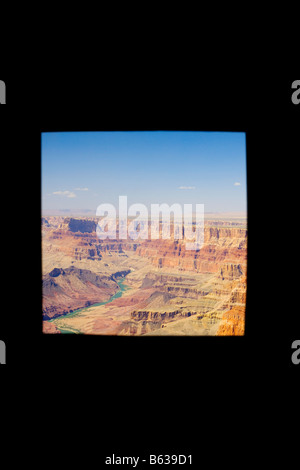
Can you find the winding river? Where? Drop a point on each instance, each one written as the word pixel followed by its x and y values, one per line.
pixel 67 329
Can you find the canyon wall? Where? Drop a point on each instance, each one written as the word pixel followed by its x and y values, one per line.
pixel 65 290
pixel 172 289
pixel 221 245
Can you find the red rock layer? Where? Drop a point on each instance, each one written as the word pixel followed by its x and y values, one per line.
pixel 221 245
pixel 233 322
pixel 72 288
pixel 224 245
pixel 50 328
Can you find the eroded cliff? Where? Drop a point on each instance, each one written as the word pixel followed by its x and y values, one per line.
pixel 171 290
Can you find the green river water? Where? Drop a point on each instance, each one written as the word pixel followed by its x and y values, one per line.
pixel 68 329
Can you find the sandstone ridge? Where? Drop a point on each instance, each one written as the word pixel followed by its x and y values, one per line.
pixel 169 290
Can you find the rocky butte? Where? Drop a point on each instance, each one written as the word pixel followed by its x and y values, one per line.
pixel 143 287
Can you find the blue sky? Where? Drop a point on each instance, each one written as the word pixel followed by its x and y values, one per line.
pixel 81 170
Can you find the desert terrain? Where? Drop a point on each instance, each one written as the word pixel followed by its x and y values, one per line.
pixel 143 287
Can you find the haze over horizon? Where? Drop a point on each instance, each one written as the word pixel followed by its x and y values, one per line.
pixel 81 170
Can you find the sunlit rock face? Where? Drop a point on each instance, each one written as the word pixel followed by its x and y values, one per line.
pixel 169 290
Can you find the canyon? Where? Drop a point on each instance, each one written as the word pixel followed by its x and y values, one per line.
pixel 143 287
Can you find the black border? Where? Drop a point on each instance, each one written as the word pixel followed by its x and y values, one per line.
pixel 192 343
pixel 270 121
pixel 139 130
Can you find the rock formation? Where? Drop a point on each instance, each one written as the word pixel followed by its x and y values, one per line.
pixel 171 290
pixel 83 226
pixel 65 290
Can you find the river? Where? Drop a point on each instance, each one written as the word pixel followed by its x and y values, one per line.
pixel 69 330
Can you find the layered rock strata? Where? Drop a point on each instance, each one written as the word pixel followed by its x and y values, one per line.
pixel 172 290
pixel 65 290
